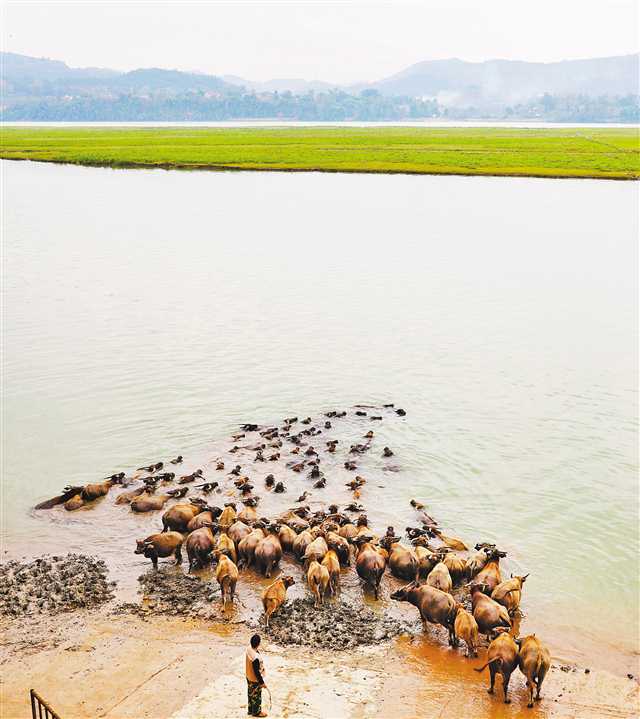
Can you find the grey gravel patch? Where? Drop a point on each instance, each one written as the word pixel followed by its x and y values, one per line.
pixel 333 625
pixel 172 592
pixel 53 584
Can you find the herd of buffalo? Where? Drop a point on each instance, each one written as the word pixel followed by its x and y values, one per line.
pixel 235 536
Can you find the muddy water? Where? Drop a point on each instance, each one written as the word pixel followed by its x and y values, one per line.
pixel 148 313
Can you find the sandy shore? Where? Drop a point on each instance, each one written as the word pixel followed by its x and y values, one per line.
pixel 96 664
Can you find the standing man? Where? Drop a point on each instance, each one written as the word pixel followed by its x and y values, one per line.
pixel 255 671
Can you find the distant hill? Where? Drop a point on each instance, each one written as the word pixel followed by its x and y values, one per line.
pixel 22 75
pixel 508 81
pixel 597 90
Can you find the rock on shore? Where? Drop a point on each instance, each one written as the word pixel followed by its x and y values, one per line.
pixel 333 625
pixel 53 584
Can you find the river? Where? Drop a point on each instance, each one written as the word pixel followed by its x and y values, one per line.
pixel 147 313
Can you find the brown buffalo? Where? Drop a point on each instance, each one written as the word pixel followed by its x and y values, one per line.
pixel 440 578
pixel 370 564
pixel 177 518
pixel 490 575
pixel 509 593
pixel 403 562
pixel 161 545
pixel 534 661
pixel 318 580
pixel 466 628
pixel 204 518
pixel 247 547
pixel 226 576
pixel 502 658
pixel 155 501
pixel 487 612
pixel 332 563
pixel 274 596
pixel 199 545
pixel 434 605
pixel 268 551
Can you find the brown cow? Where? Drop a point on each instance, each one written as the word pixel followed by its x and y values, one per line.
pixel 88 493
pixel 370 564
pixel 403 562
pixel 451 542
pixel 490 574
pixel 247 547
pixel 287 537
pixel 440 578
pixel 487 612
pixel 301 542
pixel 427 560
pixel 153 502
pixel 204 518
pixel 466 628
pixel 502 657
pixel 319 581
pixel 161 545
pixel 456 565
pixel 238 531
pixel 248 515
pixel 274 596
pixel 226 576
pixel 315 551
pixel 340 546
pixel 433 604
pixel 534 661
pixel 199 545
pixel 228 516
pixel 178 517
pixel 332 563
pixel 268 551
pixel 227 545
pixel 509 593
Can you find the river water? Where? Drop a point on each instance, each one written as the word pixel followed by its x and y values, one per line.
pixel 147 313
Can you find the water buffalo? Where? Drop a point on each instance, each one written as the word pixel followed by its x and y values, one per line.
pixel 434 605
pixel 161 545
pixel 370 564
pixel 247 547
pixel 274 596
pixel 155 501
pixel 487 612
pixel 301 542
pixel 403 562
pixel 226 576
pixel 490 575
pixel 268 552
pixel 466 628
pixel 502 657
pixel 340 546
pixel 318 580
pixel 202 519
pixel 177 518
pixel 332 564
pixel 534 661
pixel 287 537
pixel 440 578
pixel 199 545
pixel 509 593
pixel 315 551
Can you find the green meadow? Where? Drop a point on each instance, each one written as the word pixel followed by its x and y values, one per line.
pixel 572 152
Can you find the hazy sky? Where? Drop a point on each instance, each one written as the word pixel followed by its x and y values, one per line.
pixel 339 41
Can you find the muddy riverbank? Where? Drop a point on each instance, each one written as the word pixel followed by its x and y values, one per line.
pixel 122 666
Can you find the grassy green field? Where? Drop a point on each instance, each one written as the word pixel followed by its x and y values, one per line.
pixel 571 152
